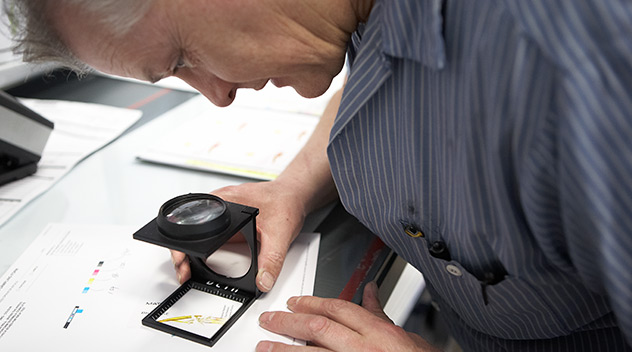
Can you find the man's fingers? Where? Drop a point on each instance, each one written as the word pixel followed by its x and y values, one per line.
pixel 371 301
pixel 320 330
pixel 271 346
pixel 346 313
pixel 181 264
pixel 177 257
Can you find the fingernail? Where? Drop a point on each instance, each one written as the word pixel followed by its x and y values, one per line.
pixel 180 278
pixel 264 346
pixel 265 317
pixel 266 280
pixel 292 302
pixel 372 288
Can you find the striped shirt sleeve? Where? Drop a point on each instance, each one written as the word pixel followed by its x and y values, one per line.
pixel 589 41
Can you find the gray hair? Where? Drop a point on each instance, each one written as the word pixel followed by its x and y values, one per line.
pixel 36 40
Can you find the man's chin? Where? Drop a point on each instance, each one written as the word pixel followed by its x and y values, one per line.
pixel 312 92
pixel 304 90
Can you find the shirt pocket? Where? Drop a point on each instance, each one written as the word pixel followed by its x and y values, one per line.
pixel 511 308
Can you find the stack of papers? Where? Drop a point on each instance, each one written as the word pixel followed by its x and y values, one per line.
pixel 80 130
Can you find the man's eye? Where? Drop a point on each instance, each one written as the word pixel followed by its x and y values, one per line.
pixel 180 64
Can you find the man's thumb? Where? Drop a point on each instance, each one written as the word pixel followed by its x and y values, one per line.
pixel 371 301
pixel 270 264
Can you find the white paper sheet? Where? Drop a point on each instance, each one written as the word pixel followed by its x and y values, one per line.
pixel 255 143
pixel 80 130
pixel 87 287
pixel 256 137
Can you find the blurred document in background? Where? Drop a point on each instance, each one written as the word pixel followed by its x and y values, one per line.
pixel 80 130
pixel 255 137
pixel 243 141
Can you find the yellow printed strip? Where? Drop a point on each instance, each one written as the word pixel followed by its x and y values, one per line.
pixel 175 318
pixel 232 169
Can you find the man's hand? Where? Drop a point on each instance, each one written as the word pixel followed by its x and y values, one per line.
pixel 305 185
pixel 337 325
pixel 278 223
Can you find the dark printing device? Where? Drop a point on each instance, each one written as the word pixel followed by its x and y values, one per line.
pixel 23 135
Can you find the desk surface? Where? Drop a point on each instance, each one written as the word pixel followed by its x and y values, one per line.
pixel 112 187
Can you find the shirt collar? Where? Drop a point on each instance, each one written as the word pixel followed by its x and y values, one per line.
pixel 413 29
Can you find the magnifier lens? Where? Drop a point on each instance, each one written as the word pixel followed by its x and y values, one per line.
pixel 195 212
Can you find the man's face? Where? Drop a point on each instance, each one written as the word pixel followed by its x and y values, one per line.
pixel 215 46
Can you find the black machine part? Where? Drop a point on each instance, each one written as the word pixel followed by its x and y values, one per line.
pixel 23 136
pixel 176 232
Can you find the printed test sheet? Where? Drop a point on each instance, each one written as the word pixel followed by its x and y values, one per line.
pixel 87 287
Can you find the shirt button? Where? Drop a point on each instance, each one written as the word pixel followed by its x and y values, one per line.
pixel 453 269
pixel 439 249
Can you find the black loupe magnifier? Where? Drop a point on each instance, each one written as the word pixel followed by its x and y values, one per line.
pixel 193 217
pixel 205 307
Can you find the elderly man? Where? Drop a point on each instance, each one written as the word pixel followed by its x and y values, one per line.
pixel 486 142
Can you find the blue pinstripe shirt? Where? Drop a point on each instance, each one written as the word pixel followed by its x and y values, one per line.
pixel 500 134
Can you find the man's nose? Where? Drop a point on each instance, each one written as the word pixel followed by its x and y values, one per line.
pixel 219 92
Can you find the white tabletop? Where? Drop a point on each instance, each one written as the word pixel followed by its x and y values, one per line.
pixel 109 187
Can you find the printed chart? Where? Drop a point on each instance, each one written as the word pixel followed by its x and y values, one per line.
pixel 92 285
